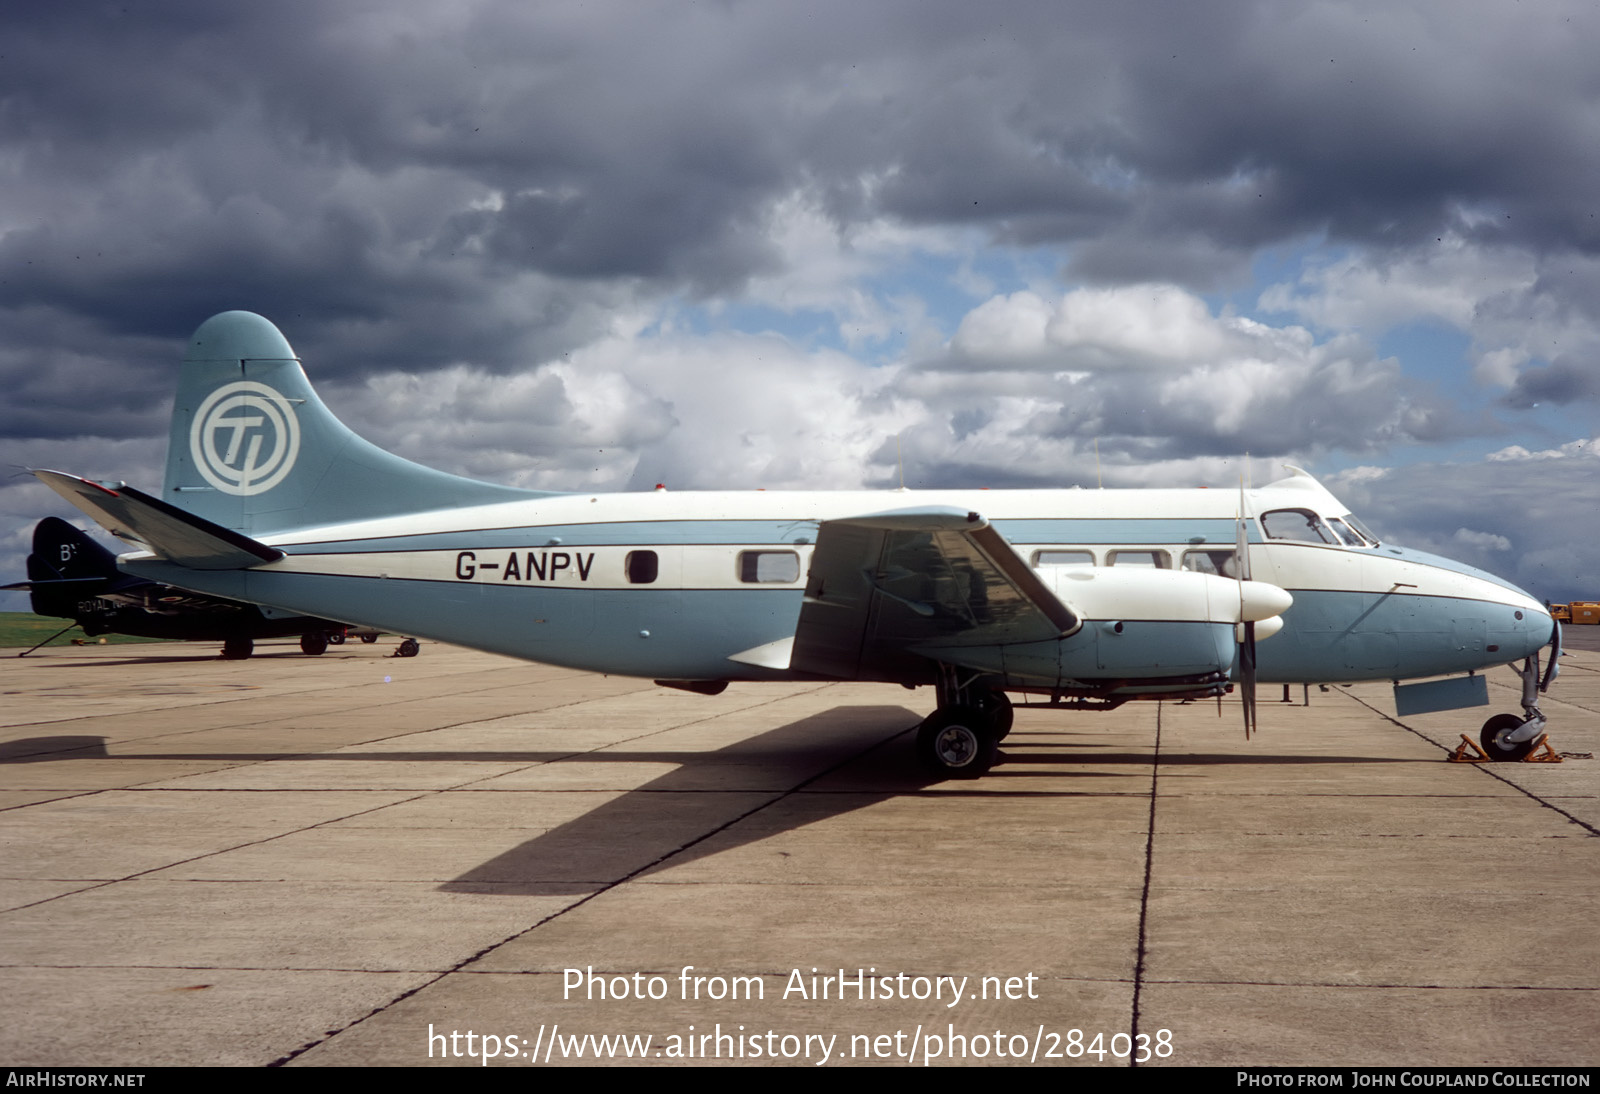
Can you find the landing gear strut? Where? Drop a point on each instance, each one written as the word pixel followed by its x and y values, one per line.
pixel 1506 737
pixel 961 739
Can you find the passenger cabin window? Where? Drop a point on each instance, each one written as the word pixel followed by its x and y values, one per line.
pixel 642 567
pixel 1215 562
pixel 1157 560
pixel 1299 525
pixel 1063 558
pixel 769 567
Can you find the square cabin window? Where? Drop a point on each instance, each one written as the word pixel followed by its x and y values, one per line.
pixel 642 567
pixel 1220 563
pixel 1150 559
pixel 1063 558
pixel 769 567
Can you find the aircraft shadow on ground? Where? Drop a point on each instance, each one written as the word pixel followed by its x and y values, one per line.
pixel 827 764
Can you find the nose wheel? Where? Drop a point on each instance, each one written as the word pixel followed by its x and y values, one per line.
pixel 1496 742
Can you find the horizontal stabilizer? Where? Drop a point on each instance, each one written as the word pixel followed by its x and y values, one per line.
pixel 164 529
pixel 52 583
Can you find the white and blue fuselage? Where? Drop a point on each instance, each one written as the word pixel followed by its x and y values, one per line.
pixel 673 585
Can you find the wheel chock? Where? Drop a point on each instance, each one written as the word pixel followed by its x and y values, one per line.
pixel 1461 756
pixel 1547 756
pixel 1542 752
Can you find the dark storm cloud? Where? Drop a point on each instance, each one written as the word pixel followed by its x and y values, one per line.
pixel 630 142
pixel 1564 380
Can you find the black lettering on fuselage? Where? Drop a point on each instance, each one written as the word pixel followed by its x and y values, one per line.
pixel 531 566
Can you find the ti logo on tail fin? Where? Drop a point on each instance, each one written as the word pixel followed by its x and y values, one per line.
pixel 245 438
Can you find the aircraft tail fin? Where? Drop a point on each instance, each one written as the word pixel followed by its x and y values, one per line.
pixel 66 567
pixel 253 448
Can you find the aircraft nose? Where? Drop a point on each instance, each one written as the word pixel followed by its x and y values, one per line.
pixel 1541 626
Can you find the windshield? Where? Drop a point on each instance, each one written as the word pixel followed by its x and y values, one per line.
pixel 1305 526
pixel 1350 518
pixel 1299 525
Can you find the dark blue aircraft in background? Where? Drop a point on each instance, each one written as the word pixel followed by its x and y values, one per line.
pixel 70 576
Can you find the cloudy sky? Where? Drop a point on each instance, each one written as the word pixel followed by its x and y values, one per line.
pixel 727 244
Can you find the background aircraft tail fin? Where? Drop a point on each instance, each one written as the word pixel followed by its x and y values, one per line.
pixel 66 566
pixel 254 449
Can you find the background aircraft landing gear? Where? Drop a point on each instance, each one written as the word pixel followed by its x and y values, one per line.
pixel 313 643
pixel 369 639
pixel 336 638
pixel 237 649
pixel 956 743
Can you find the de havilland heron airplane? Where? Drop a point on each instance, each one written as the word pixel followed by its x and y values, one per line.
pixel 1072 599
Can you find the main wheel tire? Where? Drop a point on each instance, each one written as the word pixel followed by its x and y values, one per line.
pixel 313 643
pixel 409 648
pixel 237 649
pixel 1491 737
pixel 995 705
pixel 954 744
pixel 336 638
pixel 369 639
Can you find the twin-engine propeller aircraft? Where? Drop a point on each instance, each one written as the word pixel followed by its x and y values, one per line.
pixel 1077 599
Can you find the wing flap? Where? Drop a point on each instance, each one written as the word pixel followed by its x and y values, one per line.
pixel 885 588
pixel 166 530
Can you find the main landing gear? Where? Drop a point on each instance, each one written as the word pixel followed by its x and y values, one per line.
pixel 961 739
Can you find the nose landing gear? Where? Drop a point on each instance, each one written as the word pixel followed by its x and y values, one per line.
pixel 1507 738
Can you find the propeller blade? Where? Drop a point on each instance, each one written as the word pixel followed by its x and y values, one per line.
pixel 1247 677
pixel 1249 611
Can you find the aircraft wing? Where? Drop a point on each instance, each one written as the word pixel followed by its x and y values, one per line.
pixel 165 529
pixel 883 584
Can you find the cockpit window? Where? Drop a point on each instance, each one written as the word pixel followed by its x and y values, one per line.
pixel 1346 533
pixel 1350 518
pixel 1300 525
